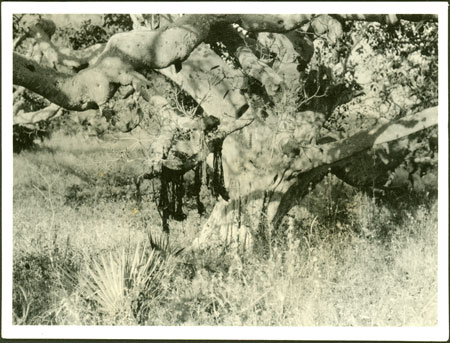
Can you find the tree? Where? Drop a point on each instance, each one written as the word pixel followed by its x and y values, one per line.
pixel 267 92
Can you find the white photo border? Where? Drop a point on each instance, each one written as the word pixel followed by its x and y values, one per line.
pixel 437 333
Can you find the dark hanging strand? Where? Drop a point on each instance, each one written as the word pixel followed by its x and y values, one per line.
pixel 178 194
pixel 171 197
pixel 198 186
pixel 217 182
pixel 164 203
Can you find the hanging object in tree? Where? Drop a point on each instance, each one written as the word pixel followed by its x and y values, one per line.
pixel 171 197
pixel 217 183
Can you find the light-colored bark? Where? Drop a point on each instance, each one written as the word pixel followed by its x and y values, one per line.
pixel 335 151
pixel 126 53
pixel 231 224
pixel 86 90
pixel 162 149
pixel 257 69
pixel 267 199
pixel 215 85
pixel 21 117
pixel 331 154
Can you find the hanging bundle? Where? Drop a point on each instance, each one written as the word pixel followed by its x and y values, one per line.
pixel 199 172
pixel 217 182
pixel 171 196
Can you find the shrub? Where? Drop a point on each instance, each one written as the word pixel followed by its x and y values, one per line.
pixel 38 277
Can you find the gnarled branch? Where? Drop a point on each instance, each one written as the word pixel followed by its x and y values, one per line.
pixel 126 53
pixel 310 168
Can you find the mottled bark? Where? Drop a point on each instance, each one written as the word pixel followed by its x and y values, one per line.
pixel 266 196
pixel 74 92
pixel 335 155
pixel 216 86
pixel 391 131
pixel 259 70
pixel 127 53
pixel 182 154
pixel 165 149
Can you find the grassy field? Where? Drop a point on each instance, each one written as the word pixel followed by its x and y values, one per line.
pixel 81 253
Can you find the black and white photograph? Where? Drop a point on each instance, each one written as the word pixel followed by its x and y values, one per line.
pixel 225 170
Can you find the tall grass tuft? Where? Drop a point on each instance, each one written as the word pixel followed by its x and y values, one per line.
pixel 125 283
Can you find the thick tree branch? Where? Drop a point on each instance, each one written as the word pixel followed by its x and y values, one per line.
pixel 335 151
pixel 309 169
pixel 293 52
pixel 172 150
pixel 243 48
pixel 79 92
pixel 229 223
pixel 259 70
pixel 215 85
pixel 125 53
pixel 21 117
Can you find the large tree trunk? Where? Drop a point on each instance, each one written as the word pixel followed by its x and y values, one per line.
pixel 259 199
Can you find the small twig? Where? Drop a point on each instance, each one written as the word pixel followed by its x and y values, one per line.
pixel 311 97
pixel 230 131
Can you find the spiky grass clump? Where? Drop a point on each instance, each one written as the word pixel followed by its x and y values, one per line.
pixel 125 283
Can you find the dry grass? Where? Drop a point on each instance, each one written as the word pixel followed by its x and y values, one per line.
pixel 339 260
